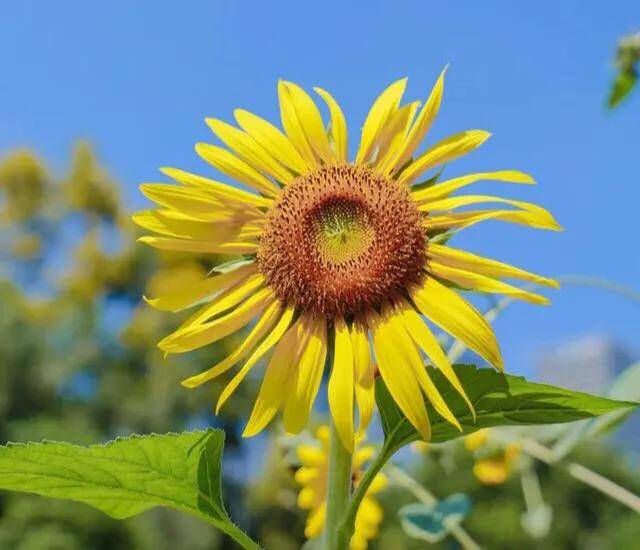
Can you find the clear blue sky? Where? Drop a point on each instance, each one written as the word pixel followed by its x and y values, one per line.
pixel 137 79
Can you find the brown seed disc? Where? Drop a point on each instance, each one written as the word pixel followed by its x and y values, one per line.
pixel 341 239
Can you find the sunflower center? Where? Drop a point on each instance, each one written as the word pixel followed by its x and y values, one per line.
pixel 341 239
pixel 342 231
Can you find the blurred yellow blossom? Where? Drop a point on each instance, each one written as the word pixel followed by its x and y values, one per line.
pixel 312 475
pixel 23 180
pixel 476 440
pixel 497 469
pixel 493 464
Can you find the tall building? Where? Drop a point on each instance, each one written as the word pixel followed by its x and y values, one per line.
pixel 591 364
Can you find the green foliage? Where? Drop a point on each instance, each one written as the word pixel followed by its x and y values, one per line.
pixel 499 400
pixel 582 516
pixel 78 356
pixel 627 61
pixel 128 476
pixel 623 84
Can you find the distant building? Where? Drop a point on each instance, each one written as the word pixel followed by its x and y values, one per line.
pixel 591 364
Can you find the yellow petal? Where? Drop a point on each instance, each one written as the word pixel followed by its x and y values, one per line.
pixel 220 190
pixel 232 166
pixel 311 455
pixel 308 375
pixel 455 315
pixel 445 188
pixel 403 152
pixel 405 345
pixel 465 200
pixel 306 498
pixel 476 440
pixel 167 222
pixel 444 151
pixel 293 127
pixel 461 220
pixel 368 518
pixel 341 383
pixel 315 521
pixel 306 475
pixel 394 133
pixel 182 245
pixel 310 121
pixel 207 333
pixel 398 376
pixel 276 382
pixel 481 283
pixel 249 150
pixel 491 471
pixel 197 292
pixel 271 340
pixel 264 325
pixel 365 375
pixel 485 266
pixel 323 434
pixel 191 201
pixel 378 484
pixel 383 108
pixel 361 456
pixel 272 139
pixel 226 300
pixel 338 125
pixel 424 338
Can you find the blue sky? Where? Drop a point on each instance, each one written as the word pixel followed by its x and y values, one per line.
pixel 137 79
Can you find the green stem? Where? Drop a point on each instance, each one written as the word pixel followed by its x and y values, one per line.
pixel 244 540
pixel 348 520
pixel 338 493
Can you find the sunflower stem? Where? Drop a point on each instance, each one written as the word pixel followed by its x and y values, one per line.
pixel 347 522
pixel 338 494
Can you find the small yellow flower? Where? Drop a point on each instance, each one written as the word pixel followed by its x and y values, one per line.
pixel 495 468
pixel 312 476
pixel 333 250
pixel 476 440
pixel 420 446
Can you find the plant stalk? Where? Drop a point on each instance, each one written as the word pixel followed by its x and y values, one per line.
pixel 347 521
pixel 338 494
pixel 584 474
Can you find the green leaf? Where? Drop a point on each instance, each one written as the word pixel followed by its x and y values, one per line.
pixel 429 182
pixel 499 400
pixel 232 265
pixel 622 86
pixel 128 476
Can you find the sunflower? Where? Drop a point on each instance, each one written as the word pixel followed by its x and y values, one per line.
pixel 345 256
pixel 312 476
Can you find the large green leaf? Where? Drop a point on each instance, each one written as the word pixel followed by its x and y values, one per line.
pixel 127 476
pixel 499 400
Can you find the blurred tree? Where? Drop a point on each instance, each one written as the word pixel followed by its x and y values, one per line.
pixel 78 356
pixel 78 361
pixel 627 62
